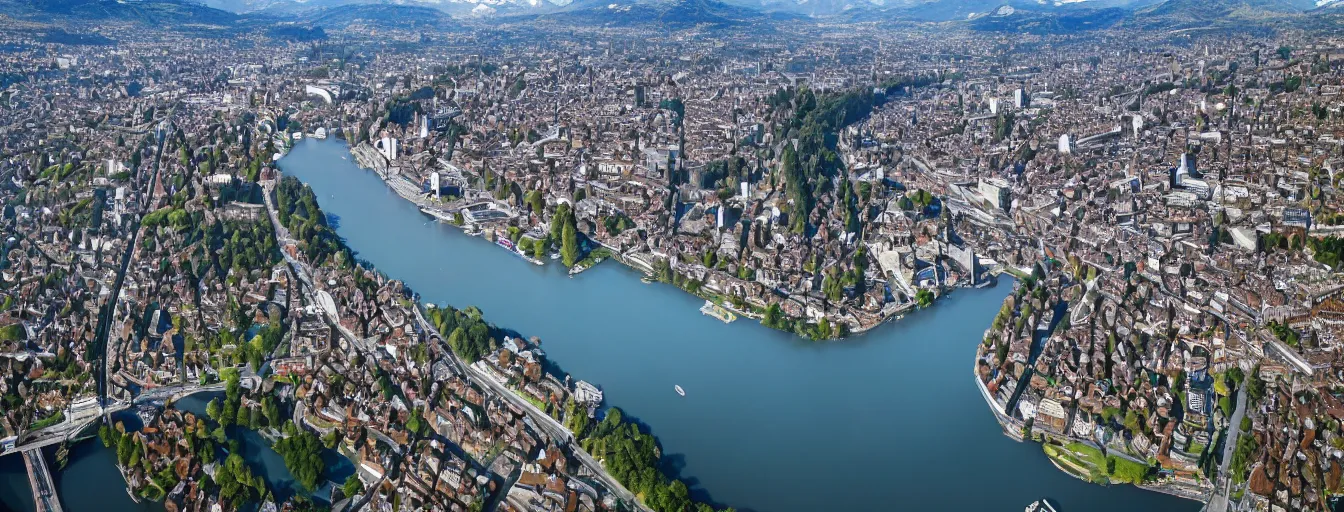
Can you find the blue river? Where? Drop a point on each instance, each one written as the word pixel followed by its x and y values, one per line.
pixel 890 420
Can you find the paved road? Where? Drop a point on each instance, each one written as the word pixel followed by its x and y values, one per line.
pixel 1219 501
pixel 552 427
pixel 109 309
pixel 44 491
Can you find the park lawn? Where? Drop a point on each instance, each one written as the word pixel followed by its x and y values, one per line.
pixel 1126 471
pixel 1087 454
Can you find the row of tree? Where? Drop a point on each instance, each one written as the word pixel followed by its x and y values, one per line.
pixel 468 334
pixel 299 212
pixel 633 457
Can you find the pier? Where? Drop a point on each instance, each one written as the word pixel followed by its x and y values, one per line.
pixel 44 491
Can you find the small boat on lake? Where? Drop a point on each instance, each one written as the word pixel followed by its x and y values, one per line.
pixel 1041 505
pixel 680 391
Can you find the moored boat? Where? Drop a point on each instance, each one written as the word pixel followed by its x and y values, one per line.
pixel 718 312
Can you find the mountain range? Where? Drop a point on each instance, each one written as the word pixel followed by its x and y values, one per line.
pixel 1030 16
pixel 915 10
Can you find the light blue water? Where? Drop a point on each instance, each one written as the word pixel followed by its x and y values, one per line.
pixel 890 420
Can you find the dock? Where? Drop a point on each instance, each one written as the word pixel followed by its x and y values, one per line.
pixel 39 478
pixel 718 312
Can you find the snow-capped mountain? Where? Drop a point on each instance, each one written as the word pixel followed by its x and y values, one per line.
pixel 930 10
pixel 1032 15
pixel 475 7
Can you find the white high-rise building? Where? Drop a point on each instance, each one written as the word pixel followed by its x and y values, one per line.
pixel 434 183
pixel 388 147
pixel 1064 144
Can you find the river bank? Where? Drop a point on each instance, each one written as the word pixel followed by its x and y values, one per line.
pixel 1003 404
pixel 763 409
pixel 368 158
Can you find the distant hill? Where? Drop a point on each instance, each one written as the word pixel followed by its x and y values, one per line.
pixel 1008 19
pixel 399 16
pixel 461 7
pixel 813 8
pixel 665 14
pixel 157 12
pixel 1235 15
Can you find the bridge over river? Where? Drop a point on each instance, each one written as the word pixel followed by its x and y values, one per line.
pixel 44 491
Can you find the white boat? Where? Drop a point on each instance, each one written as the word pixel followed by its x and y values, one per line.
pixel 1041 505
pixel 680 391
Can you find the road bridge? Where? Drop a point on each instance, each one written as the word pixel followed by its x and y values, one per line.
pixel 44 491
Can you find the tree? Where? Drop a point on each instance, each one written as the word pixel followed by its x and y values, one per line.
pixel 212 409
pixel 303 458
pixel 924 298
pixel 125 447
pixel 1220 386
pixel 271 410
pixel 773 316
pixel 536 201
pixel 236 481
pixel 1132 421
pixel 824 329
pixel 415 424
pixel 457 340
pixel 353 486
pixel 1255 386
pixel 832 287
pixel 105 435
pixel 569 246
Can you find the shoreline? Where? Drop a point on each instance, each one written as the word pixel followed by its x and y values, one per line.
pixel 471 374
pixel 367 158
pixel 1005 421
